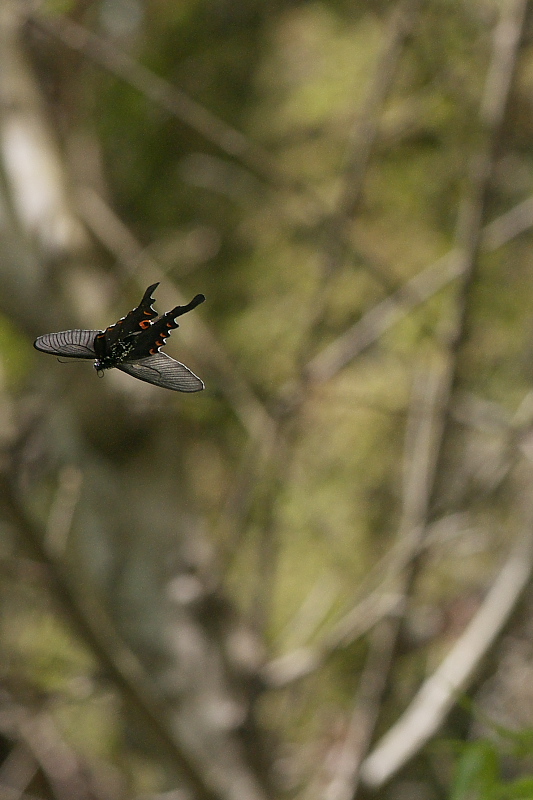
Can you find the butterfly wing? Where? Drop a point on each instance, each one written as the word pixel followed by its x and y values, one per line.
pixel 71 344
pixel 135 321
pixel 149 340
pixel 162 370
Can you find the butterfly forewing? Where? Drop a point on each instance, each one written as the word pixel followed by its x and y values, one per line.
pixel 162 370
pixel 71 344
pixel 135 321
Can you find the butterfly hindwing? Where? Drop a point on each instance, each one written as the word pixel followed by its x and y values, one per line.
pixel 71 344
pixel 135 321
pixel 162 370
pixel 149 340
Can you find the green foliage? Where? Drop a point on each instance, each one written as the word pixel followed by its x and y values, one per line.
pixel 476 773
pixel 15 359
pixel 480 772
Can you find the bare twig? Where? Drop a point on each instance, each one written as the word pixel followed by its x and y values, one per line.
pixel 87 617
pixel 425 284
pixel 419 461
pixel 336 239
pixel 298 663
pixel 365 133
pixel 63 768
pixel 174 100
pixel 506 44
pixel 437 695
pixel 507 36
pixel 420 452
pixel 371 687
pixel 381 318
pixel 334 248
pixel 63 508
pixel 276 475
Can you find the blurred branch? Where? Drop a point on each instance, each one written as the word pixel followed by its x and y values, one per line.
pixel 276 473
pixel 334 248
pixel 419 465
pixel 428 428
pixel 62 510
pixel 506 42
pixel 437 695
pixel 32 178
pixel 228 139
pixel 372 684
pixel 367 130
pixel 362 140
pixel 96 631
pixel 383 316
pixel 302 661
pixel 67 775
pixel 17 770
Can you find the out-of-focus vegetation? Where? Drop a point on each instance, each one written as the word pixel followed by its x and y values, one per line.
pixel 307 579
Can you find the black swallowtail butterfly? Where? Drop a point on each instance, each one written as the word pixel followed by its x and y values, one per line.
pixel 132 345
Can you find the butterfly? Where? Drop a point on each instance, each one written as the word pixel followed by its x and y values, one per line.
pixel 133 345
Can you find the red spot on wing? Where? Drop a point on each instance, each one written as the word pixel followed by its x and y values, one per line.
pixel 144 323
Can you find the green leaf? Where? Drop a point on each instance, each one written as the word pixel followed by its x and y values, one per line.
pixel 521 788
pixel 477 772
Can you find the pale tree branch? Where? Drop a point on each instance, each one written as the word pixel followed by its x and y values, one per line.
pixel 97 632
pixel 431 427
pixel 440 692
pixel 366 131
pixel 419 465
pixel 174 100
pixel 507 36
pixel 361 145
pixel 334 250
pixel 413 293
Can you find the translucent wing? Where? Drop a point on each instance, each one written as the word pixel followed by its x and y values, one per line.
pixel 72 344
pixel 161 370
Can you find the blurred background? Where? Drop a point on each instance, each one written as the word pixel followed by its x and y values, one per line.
pixel 311 580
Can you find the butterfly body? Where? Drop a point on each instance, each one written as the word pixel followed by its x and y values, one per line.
pixel 132 345
pixel 112 356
